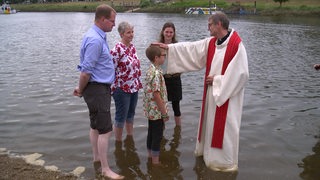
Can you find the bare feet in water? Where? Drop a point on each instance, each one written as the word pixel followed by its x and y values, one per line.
pixel 111 175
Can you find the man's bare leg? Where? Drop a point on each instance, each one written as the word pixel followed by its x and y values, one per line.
pixel 103 142
pixel 94 144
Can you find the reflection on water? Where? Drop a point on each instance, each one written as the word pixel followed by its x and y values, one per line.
pixel 205 173
pixel 127 159
pixel 169 154
pixel 39 56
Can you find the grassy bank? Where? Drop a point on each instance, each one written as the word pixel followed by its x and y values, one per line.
pixel 262 7
pixel 58 7
pixel 292 7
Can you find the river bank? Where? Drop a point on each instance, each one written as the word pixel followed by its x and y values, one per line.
pixel 259 7
pixel 18 168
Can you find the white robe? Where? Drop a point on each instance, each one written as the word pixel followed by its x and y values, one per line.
pixel 192 56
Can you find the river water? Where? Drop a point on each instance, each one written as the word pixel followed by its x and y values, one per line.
pixel 279 137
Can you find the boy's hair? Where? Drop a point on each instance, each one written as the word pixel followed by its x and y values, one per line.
pixel 152 51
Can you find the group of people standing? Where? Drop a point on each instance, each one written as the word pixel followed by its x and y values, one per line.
pixel 106 73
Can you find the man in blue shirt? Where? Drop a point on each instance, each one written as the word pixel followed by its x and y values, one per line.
pixel 97 73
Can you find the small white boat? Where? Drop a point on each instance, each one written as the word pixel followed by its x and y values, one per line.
pixel 6 9
pixel 201 10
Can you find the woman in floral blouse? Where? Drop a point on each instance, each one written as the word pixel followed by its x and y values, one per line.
pixel 127 82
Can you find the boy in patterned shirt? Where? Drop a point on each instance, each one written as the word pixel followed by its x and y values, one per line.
pixel 155 101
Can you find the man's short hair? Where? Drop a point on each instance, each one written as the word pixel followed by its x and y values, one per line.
pixel 220 17
pixel 104 10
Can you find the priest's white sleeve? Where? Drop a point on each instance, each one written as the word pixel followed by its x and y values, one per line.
pixel 187 56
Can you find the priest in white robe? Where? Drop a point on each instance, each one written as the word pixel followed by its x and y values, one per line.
pixel 225 59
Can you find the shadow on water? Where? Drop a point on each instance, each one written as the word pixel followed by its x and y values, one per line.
pixel 127 159
pixel 311 164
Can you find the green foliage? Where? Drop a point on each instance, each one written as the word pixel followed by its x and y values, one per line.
pixel 308 8
pixel 57 7
pixel 280 1
pixel 145 3
pixel 263 7
pixel 199 3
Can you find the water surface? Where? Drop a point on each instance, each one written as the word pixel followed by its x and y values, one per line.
pixel 279 137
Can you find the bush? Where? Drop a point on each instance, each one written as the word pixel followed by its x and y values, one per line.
pixel 145 3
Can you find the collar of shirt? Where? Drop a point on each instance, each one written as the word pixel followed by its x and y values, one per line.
pixel 220 41
pixel 156 67
pixel 100 32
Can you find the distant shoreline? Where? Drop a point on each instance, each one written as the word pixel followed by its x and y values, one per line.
pixel 270 9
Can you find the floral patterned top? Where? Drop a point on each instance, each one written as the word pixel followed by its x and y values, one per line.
pixel 127 67
pixel 154 82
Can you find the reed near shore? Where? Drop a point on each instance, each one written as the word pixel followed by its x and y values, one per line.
pixel 261 7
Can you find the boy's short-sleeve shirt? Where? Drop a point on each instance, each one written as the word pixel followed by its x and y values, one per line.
pixel 154 81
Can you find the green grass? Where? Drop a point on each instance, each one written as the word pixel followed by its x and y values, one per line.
pixel 263 7
pixel 292 7
pixel 58 7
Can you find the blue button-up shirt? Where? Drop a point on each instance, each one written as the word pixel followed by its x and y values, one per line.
pixel 95 57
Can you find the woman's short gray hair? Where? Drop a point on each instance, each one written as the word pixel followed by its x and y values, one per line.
pixel 123 26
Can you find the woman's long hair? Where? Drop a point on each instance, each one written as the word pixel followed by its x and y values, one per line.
pixel 166 25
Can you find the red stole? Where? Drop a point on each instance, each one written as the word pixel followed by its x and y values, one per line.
pixel 221 112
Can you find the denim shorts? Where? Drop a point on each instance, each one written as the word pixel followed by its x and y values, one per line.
pixel 125 107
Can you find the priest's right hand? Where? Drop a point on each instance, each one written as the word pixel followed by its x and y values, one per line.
pixel 209 80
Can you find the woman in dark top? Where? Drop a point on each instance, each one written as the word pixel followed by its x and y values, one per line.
pixel 173 81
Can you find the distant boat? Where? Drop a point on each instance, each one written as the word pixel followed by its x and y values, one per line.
pixel 201 10
pixel 6 9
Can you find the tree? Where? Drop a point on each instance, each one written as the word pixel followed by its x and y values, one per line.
pixel 280 1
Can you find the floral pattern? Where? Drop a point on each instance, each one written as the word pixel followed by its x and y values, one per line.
pixel 127 67
pixel 154 82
